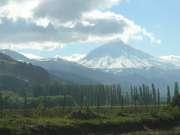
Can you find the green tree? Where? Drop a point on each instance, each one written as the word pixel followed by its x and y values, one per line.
pixel 168 95
pixel 176 100
pixel 64 98
pixel 176 89
pixel 158 100
pixel 40 107
pixel 1 104
pixel 25 100
pixel 154 94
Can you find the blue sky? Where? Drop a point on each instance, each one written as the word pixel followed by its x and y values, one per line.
pixel 161 17
pixel 50 28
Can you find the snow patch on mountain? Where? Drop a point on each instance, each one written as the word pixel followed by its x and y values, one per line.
pixel 109 62
pixel 32 56
pixel 172 59
pixel 73 57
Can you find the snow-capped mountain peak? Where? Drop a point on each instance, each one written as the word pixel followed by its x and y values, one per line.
pixel 117 56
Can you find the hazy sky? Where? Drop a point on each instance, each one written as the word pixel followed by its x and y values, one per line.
pixel 71 28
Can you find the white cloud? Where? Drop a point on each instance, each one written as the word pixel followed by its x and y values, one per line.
pixel 47 24
pixel 151 36
pixel 70 10
pixel 18 9
pixel 109 26
pixel 32 45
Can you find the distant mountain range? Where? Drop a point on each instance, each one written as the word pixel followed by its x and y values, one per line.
pixel 64 70
pixel 109 64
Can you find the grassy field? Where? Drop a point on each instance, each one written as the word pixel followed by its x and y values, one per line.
pixel 89 120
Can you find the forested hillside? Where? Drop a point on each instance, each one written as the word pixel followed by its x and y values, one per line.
pixel 15 75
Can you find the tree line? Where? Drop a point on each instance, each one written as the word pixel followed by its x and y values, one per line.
pixel 85 96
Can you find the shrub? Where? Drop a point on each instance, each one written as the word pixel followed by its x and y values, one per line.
pixel 84 115
pixel 176 100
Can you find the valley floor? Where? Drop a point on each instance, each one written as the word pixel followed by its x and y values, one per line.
pixel 71 121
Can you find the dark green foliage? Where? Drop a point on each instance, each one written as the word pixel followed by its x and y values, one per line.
pixel 176 100
pixel 158 100
pixel 84 115
pixel 176 89
pixel 1 105
pixel 85 96
pixel 168 95
pixel 154 94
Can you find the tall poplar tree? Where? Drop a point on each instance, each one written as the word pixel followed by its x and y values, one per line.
pixel 168 95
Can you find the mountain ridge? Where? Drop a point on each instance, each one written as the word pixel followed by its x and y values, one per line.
pixel 80 74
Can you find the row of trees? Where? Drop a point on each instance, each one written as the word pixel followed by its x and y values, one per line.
pixel 86 96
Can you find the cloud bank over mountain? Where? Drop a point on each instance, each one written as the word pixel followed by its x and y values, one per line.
pixel 50 24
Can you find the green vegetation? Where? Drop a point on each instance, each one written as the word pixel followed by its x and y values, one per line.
pixel 103 120
pixel 78 109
